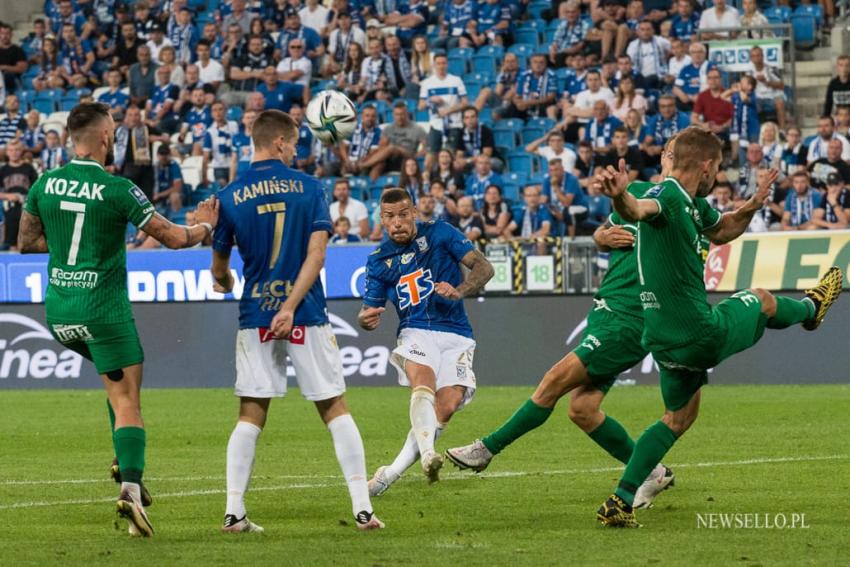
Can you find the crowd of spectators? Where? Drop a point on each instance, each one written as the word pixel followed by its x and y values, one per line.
pixel 493 115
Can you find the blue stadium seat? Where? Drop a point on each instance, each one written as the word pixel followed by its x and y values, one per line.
pixel 510 191
pixel 549 35
pixel 542 122
pixel 523 51
pixel 553 25
pixel 805 31
pixel 814 10
pixel 774 20
pixel 462 52
pixel 473 89
pixel 781 13
pixel 457 65
pixel 520 161
pixel 487 79
pixel 535 10
pixel 485 115
pixel 485 63
pixel 531 133
pixel 68 104
pixel 359 187
pixel 533 25
pixel 496 51
pixel 385 111
pixel 234 113
pixel 385 180
pixel 527 36
pixel 516 177
pixel 44 105
pixel 26 97
pixel 421 116
pixel 505 137
pixel 510 123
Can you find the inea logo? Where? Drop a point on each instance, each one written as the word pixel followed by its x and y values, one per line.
pixel 413 288
pixel 33 353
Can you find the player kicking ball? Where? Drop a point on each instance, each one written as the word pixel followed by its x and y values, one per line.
pixel 417 268
pixel 281 221
pixel 685 333
pixel 78 214
pixel 611 344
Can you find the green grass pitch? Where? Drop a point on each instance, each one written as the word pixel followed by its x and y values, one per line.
pixel 756 450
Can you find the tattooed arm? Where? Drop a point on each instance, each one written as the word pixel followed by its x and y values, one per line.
pixel 31 238
pixel 480 272
pixel 178 236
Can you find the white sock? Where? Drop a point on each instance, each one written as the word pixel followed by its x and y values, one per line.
pixel 240 460
pixel 409 454
pixel 134 489
pixel 352 460
pixel 423 418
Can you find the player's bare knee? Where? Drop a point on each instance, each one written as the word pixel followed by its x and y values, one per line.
pixel 581 414
pixel 768 301
pixel 332 408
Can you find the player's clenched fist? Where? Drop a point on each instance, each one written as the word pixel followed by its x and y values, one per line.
pixel 207 211
pixel 369 317
pixel 447 290
pixel 225 285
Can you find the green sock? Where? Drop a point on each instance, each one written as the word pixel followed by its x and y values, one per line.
pixel 614 438
pixel 790 312
pixel 527 417
pixel 648 452
pixel 111 422
pixel 130 450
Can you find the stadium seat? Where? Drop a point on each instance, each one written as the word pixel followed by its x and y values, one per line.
pixel 527 36
pixel 533 24
pixel 549 36
pixel 510 191
pixel 44 105
pixel 61 117
pixel 485 115
pixel 462 52
pixel 520 161
pixel 457 65
pixel 26 97
pixel 487 79
pixel 805 31
pixel 359 187
pixel 510 123
pixel 531 133
pixel 516 177
pixel 505 137
pixel 385 111
pixel 421 116
pixel 234 113
pixel 535 10
pixel 68 104
pixel 496 51
pixel 58 127
pixel 485 63
pixel 814 10
pixel 782 14
pixel 542 122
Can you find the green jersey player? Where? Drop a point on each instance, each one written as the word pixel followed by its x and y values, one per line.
pixel 79 214
pixel 686 334
pixel 611 344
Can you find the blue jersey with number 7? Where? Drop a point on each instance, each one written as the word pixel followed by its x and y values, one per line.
pixel 270 213
pixel 407 274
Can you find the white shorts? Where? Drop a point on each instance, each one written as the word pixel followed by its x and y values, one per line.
pixel 261 363
pixel 449 355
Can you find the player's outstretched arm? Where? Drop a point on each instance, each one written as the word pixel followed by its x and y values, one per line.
pixel 180 236
pixel 608 237
pixel 31 238
pixel 613 183
pixel 734 224
pixel 316 249
pixel 480 272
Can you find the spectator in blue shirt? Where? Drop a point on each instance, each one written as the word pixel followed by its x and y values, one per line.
pixel 800 204
pixel 66 15
pixel 661 127
pixel 492 25
pixel 454 21
pixel 410 19
pixel 693 78
pixel 159 110
pixel 478 181
pixel 533 219
pixel 600 131
pixel 114 97
pixel 77 56
pixel 342 234
pixel 304 158
pixel 537 89
pixel 745 120
pixel 279 95
pixel 54 154
pixel 32 135
pixel 294 30
pixel 183 35
pixel 685 23
pixel 571 34
pixel 567 200
pixel 243 147
pixel 168 188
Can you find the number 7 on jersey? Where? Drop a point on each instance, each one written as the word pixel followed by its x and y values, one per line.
pixel 279 210
pixel 80 209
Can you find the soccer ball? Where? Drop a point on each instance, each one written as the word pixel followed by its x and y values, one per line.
pixel 331 116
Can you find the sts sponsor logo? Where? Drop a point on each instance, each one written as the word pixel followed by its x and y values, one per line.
pixel 28 350
pixel 413 288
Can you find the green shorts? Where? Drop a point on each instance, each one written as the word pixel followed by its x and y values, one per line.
pixel 110 346
pixel 610 345
pixel 737 324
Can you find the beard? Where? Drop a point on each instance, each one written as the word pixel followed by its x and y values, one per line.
pixel 704 189
pixel 110 154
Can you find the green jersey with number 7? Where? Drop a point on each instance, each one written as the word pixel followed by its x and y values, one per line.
pixel 85 211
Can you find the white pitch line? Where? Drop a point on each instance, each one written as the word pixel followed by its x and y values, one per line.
pixel 106 479
pixel 448 476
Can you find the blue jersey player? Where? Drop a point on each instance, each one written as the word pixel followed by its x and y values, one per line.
pixel 280 219
pixel 417 268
